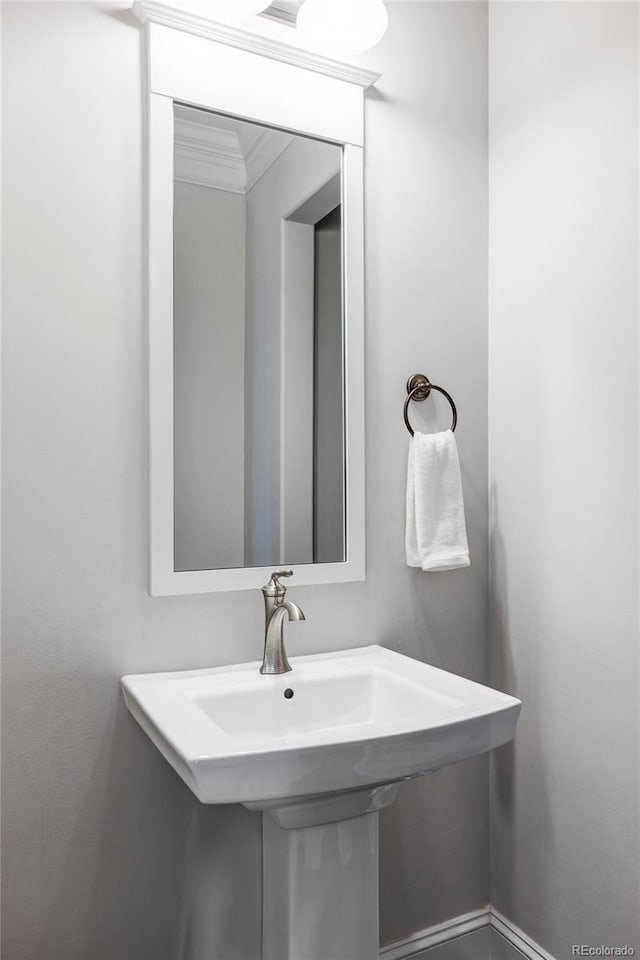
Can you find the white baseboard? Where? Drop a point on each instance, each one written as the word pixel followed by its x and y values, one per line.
pixel 438 940
pixel 439 934
pixel 517 937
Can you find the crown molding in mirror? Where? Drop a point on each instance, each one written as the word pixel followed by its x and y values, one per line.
pixel 215 156
pixel 152 11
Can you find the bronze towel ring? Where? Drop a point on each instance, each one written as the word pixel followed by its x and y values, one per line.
pixel 419 388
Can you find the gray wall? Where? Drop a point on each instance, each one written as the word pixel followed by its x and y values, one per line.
pixel 426 312
pixel 97 828
pixel 564 467
pixel 209 298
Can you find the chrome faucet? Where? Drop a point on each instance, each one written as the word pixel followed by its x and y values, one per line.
pixel 275 609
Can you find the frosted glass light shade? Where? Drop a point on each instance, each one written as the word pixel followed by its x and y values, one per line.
pixel 342 27
pixel 236 9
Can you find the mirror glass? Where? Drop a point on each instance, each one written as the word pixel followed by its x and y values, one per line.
pixel 259 413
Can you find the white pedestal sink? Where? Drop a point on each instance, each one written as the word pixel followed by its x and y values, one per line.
pixel 319 750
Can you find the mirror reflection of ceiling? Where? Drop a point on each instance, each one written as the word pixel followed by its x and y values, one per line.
pixel 215 151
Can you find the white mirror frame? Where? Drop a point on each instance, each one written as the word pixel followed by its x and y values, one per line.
pixel 223 69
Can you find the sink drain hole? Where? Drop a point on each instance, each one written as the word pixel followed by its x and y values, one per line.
pixel 288 693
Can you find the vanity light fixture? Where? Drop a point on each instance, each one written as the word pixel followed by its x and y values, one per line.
pixel 342 27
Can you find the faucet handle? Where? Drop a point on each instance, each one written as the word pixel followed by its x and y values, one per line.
pixel 274 588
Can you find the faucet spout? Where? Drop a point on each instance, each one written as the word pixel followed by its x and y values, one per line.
pixel 294 611
pixel 275 658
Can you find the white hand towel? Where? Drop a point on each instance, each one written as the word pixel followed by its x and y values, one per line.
pixel 436 537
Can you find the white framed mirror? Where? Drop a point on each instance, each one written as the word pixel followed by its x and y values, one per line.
pixel 256 314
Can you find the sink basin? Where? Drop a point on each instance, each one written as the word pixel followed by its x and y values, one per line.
pixel 319 751
pixel 338 722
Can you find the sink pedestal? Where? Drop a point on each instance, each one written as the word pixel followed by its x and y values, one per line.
pixel 320 899
pixel 320 877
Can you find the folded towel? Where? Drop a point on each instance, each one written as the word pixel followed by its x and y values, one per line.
pixel 436 537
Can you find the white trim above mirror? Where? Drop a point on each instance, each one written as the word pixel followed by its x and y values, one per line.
pixel 188 68
pixel 260 41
